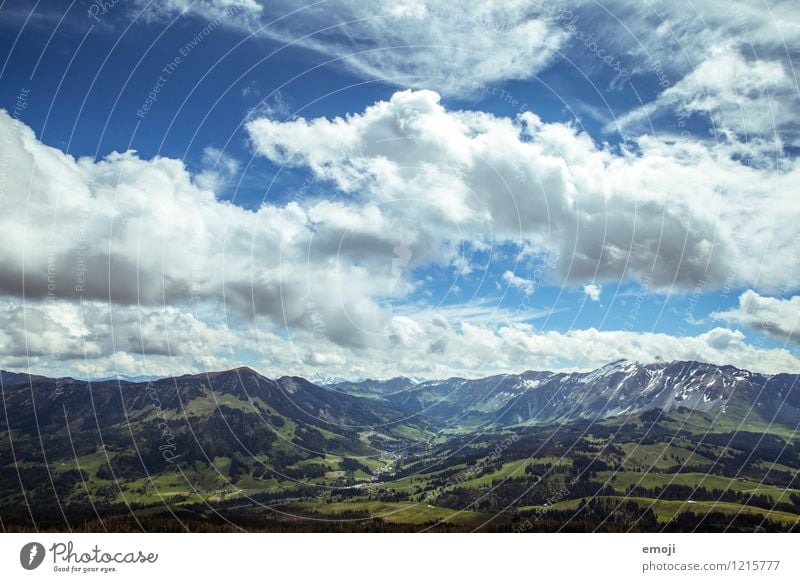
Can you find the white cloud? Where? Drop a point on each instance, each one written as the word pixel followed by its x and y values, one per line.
pixel 307 287
pixel 93 338
pixel 743 97
pixel 218 169
pixel 242 12
pixel 591 347
pixel 146 232
pixel 673 212
pixel 732 63
pixel 777 317
pixel 410 43
pixel 681 33
pixel 61 338
pixel 526 285
pixel 593 291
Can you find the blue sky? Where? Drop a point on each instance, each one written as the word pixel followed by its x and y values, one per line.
pixel 335 189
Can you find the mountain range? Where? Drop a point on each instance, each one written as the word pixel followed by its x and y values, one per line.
pixel 204 438
pixel 618 388
pixel 386 406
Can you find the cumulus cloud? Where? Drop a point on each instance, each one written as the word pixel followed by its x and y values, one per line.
pixel 77 331
pixel 526 285
pixel 777 317
pixel 593 291
pixel 146 232
pixel 590 347
pixel 672 212
pixel 169 274
pixel 97 339
pixel 218 169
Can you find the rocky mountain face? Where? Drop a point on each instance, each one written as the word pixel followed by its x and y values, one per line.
pixel 140 429
pixel 617 388
pixel 115 441
pixel 34 403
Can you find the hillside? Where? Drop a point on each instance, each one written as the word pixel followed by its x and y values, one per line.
pixel 486 453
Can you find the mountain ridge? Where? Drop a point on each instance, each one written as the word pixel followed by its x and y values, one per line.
pixel 538 397
pixel 236 438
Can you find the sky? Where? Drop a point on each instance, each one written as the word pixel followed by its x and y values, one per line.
pixel 351 189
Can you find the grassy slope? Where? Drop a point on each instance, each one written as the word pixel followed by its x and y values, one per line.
pixel 666 509
pixel 622 480
pixel 402 512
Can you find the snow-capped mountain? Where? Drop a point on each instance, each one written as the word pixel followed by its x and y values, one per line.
pixel 618 388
